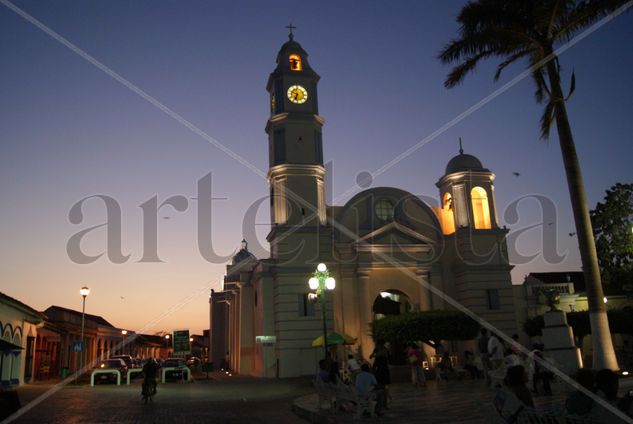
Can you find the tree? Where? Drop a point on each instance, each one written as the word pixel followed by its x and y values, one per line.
pixel 428 326
pixel 532 29
pixel 613 229
pixel 620 322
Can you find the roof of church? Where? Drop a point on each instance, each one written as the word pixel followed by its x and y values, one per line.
pixel 464 162
pixel 242 255
pixel 283 65
pixel 290 46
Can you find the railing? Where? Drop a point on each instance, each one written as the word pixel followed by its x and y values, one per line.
pixel 95 372
pixel 133 371
pixel 562 288
pixel 182 369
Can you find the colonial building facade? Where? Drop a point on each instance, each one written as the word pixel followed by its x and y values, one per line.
pixel 388 250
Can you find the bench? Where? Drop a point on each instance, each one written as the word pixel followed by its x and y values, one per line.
pixel 326 393
pixel 347 395
pixel 340 395
pixel 497 376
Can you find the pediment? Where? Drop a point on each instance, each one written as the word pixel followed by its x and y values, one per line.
pixel 394 234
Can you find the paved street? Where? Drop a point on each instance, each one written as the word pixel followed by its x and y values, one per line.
pixel 222 400
pixel 249 400
pixel 466 401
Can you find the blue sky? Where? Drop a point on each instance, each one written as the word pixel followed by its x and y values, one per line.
pixel 70 131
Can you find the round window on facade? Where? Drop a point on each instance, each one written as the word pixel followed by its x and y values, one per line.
pixel 384 209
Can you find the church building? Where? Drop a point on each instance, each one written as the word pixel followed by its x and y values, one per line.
pixel 388 251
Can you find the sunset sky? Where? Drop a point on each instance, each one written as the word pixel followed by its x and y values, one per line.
pixel 69 130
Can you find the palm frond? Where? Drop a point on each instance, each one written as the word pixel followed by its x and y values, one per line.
pixel 509 61
pixel 583 14
pixel 572 88
pixel 464 47
pixel 549 113
pixel 541 86
pixel 459 72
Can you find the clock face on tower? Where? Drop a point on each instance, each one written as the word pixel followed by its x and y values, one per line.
pixel 297 94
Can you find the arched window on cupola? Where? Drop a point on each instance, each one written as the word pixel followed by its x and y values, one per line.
pixel 481 208
pixel 447 217
pixel 295 62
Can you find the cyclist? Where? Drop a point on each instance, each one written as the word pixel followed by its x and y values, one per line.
pixel 150 370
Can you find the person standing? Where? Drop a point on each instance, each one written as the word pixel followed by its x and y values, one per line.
pixel 380 368
pixel 495 351
pixel 482 348
pixel 416 359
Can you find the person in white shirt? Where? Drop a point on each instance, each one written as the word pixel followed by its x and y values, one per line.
pixel 495 351
pixel 352 364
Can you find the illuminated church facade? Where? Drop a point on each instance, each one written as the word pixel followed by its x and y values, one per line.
pixel 388 250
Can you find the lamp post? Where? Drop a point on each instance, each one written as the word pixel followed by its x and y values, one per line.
pixel 167 336
pixel 84 292
pixel 320 282
pixel 123 334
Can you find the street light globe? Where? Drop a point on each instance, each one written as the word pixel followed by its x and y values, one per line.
pixel 167 336
pixel 190 339
pixel 124 332
pixel 313 283
pixel 84 291
pixel 330 283
pixel 321 267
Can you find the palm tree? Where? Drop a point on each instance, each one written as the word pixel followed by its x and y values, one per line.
pixel 531 29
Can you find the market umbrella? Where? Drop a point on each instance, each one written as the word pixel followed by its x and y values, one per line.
pixel 334 338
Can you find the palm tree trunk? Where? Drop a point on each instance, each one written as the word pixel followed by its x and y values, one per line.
pixel 603 352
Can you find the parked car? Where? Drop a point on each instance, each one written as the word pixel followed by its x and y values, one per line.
pixel 177 363
pixel 194 362
pixel 111 364
pixel 129 361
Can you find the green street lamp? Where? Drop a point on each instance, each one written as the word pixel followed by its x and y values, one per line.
pixel 320 282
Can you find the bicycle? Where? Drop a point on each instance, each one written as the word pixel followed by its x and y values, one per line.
pixel 149 390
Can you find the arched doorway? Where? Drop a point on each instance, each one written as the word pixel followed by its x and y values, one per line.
pixel 391 302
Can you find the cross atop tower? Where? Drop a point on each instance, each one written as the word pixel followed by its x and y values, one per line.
pixel 290 28
pixel 461 149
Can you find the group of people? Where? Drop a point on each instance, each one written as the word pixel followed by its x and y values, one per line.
pixel 514 397
pixel 496 355
pixel 369 382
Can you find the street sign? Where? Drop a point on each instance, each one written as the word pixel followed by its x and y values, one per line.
pixel 182 346
pixel 78 346
pixel 266 340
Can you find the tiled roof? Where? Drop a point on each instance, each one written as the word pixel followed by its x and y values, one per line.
pixel 8 299
pixel 95 318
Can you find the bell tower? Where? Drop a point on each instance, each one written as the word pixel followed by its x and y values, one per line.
pixel 467 195
pixel 296 173
pixel 476 248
